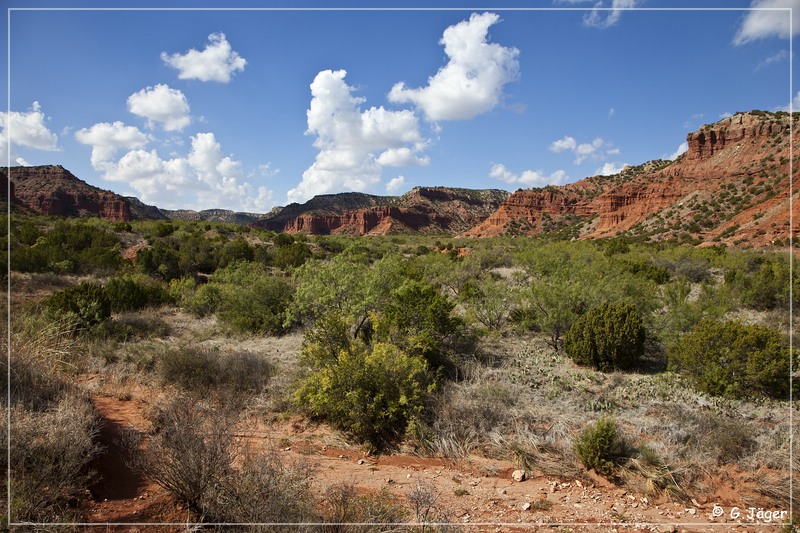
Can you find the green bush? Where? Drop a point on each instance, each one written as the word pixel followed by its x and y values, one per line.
pixel 420 320
pixel 130 294
pixel 259 307
pixel 206 300
pixel 373 394
pixel 87 304
pixel 291 256
pixel 602 447
pixel 197 369
pixel 608 337
pixel 734 359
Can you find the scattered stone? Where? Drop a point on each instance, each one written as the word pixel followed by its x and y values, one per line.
pixel 692 511
pixel 501 491
pixel 578 483
pixel 518 475
pixel 526 506
pixel 341 456
pixel 408 476
pixel 361 461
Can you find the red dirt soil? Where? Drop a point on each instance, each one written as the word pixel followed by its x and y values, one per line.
pixel 476 493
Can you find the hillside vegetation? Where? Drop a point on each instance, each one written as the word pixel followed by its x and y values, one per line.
pixel 661 367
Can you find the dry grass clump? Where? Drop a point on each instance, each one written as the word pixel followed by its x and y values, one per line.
pixel 345 510
pixel 53 425
pixel 531 406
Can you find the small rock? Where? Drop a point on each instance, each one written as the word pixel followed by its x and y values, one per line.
pixel 361 461
pixel 341 456
pixel 692 511
pixel 501 491
pixel 695 503
pixel 287 449
pixel 518 475
pixel 578 482
pixel 526 506
pixel 408 476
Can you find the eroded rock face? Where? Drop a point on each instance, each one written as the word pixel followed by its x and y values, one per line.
pixel 734 179
pixel 423 209
pixel 54 191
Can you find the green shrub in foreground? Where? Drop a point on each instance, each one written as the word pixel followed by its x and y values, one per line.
pixel 607 337
pixel 602 447
pixel 734 359
pixel 373 394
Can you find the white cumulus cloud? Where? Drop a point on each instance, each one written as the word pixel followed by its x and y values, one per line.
pixel 395 185
pixel 472 81
pixel 531 178
pixel 561 145
pixel 610 168
pixel 353 144
pixel 604 17
pixel 25 129
pixel 581 151
pixel 217 62
pixel 107 139
pixel 205 178
pixel 682 149
pixel 769 18
pixel 161 104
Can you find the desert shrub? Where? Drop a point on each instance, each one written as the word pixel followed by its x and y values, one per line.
pixel 264 489
pixel 182 290
pixel 602 447
pixel 160 260
pixel 421 321
pixel 53 425
pixel 192 368
pixel 257 308
pixel 86 304
pixel 234 250
pixel 649 270
pixel 50 451
pixel 608 337
pixel 374 394
pixel 196 253
pixel 488 303
pixel 190 451
pixel 291 256
pixel 344 505
pixel 69 247
pixel 766 288
pixel 251 300
pixel 197 369
pixel 206 300
pixel 129 293
pixel 695 270
pixel 615 246
pixel 734 359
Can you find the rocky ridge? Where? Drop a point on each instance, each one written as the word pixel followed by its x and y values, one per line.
pixel 423 210
pixel 731 186
pixel 53 190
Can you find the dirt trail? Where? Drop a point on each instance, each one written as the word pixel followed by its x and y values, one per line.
pixel 122 495
pixel 475 492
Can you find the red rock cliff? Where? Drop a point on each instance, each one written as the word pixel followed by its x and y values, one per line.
pixel 54 191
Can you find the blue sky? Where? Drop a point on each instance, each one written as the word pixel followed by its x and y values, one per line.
pixel 246 110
